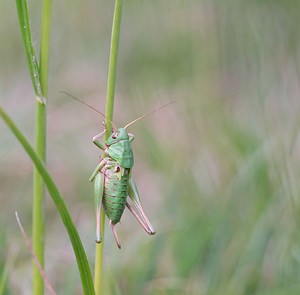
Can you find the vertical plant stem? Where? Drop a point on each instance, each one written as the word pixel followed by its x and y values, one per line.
pixel 113 60
pixel 111 86
pixel 38 220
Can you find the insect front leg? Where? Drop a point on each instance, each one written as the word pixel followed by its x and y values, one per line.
pixel 97 141
pixel 134 196
pixel 98 196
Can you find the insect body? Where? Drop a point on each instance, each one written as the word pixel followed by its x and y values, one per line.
pixel 113 182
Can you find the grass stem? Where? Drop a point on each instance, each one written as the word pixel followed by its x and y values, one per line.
pixel 111 86
pixel 38 220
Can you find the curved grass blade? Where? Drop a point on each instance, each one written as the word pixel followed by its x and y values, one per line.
pixel 83 266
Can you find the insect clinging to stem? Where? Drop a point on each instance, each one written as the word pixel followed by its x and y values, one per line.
pixel 113 179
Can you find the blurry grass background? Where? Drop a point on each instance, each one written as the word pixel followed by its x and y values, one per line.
pixel 217 172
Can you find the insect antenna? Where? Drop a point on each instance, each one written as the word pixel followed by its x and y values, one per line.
pixel 91 107
pixel 148 114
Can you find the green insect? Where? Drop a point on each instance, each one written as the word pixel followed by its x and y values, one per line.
pixel 113 182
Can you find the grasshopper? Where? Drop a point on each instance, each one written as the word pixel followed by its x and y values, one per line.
pixel 113 180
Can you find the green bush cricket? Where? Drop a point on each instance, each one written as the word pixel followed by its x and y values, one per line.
pixel 113 180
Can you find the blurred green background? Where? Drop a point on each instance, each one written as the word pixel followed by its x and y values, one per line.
pixel 217 171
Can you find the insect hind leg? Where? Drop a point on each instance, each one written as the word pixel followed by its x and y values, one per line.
pixel 141 218
pixel 144 223
pixel 115 234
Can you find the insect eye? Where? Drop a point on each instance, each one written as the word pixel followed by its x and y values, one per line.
pixel 114 136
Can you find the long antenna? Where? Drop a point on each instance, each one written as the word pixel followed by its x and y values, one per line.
pixel 150 113
pixel 86 104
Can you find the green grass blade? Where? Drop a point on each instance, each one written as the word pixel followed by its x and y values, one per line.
pixel 44 47
pixel 4 274
pixel 3 281
pixel 29 49
pixel 83 266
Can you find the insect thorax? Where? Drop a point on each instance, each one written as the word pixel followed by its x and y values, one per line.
pixel 122 152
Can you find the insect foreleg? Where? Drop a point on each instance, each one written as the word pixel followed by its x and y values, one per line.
pixel 98 196
pixel 98 142
pixel 134 196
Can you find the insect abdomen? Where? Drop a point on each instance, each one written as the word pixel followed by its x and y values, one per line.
pixel 115 195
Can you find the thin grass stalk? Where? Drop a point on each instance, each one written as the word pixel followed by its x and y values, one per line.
pixel 29 49
pixel 111 86
pixel 38 219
